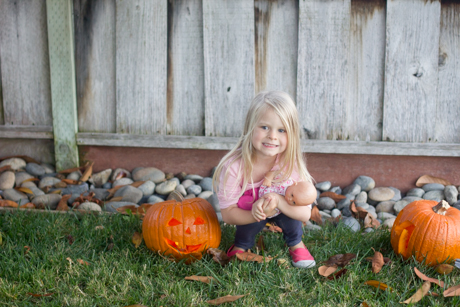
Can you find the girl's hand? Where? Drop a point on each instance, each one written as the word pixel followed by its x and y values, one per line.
pixel 270 206
pixel 257 209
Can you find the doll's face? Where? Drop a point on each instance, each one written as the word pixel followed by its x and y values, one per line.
pixel 297 194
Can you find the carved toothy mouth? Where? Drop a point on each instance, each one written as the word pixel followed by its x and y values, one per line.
pixel 187 249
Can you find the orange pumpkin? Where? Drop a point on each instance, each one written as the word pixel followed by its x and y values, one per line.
pixel 427 230
pixel 181 229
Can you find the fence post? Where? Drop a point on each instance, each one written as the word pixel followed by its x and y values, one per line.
pixel 63 87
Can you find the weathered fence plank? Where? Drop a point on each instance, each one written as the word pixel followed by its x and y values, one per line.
pixel 310 146
pixel 276 36
pixel 25 64
pixel 26 132
pixel 2 122
pixel 322 87
pixel 364 109
pixel 63 88
pixel 41 150
pixel 185 100
pixel 411 70
pixel 229 64
pixel 95 65
pixel 141 58
pixel 448 102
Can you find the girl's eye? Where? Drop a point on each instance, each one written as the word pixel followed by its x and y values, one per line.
pixel 282 130
pixel 264 127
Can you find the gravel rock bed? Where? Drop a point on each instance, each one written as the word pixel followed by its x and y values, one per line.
pixel 34 185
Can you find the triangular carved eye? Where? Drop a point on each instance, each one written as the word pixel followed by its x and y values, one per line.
pixel 174 222
pixel 198 221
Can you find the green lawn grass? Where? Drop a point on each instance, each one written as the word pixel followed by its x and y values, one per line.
pixel 120 274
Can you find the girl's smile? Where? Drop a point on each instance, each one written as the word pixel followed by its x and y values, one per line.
pixel 269 137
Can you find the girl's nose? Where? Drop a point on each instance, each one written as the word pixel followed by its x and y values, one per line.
pixel 272 135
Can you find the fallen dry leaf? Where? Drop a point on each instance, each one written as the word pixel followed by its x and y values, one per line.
pixel 137 184
pixel 452 291
pixel 70 239
pixel 282 261
pixel 137 239
pixel 338 274
pixel 377 262
pixel 370 221
pixel 444 268
pixel 426 278
pixel 55 192
pixel 27 249
pixel 315 216
pixel 118 198
pixel 25 190
pixel 225 299
pixel 81 261
pixel 70 170
pixel 8 203
pixel 69 259
pixel 88 172
pixel 99 227
pixel 364 304
pixel 113 190
pixel 218 256
pixel 425 179
pixel 386 260
pixel 4 168
pixel 62 205
pixel 39 295
pixel 327 270
pixel 70 181
pixel 30 179
pixel 110 244
pixel 129 209
pixel 142 209
pixel 260 243
pixel 205 279
pixel 419 294
pixel 334 220
pixel 377 284
pixel 28 206
pixel 248 256
pixel 340 260
pixel 336 197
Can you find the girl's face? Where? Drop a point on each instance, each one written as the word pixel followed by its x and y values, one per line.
pixel 269 137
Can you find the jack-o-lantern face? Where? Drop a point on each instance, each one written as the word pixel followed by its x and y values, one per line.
pixel 183 230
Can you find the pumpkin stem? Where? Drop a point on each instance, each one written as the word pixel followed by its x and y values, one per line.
pixel 441 207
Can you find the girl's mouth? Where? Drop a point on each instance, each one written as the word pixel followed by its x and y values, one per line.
pixel 269 145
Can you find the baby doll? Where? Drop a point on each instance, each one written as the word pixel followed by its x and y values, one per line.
pixel 295 193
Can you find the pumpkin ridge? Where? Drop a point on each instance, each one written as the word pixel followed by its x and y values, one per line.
pixel 418 244
pixel 418 214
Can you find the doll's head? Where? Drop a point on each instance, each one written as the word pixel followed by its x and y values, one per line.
pixel 301 193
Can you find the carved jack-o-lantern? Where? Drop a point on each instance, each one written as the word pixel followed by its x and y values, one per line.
pixel 183 230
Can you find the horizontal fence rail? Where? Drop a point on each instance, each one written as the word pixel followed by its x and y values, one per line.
pixel 368 77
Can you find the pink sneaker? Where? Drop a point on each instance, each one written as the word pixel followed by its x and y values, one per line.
pixel 231 253
pixel 301 258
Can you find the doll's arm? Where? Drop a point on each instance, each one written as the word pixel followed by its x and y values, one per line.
pixel 268 178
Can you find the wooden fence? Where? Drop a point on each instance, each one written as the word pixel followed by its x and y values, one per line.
pixel 368 77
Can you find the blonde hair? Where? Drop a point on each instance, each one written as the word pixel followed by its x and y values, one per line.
pixel 292 157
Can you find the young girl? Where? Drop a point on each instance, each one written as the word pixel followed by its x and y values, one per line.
pixel 270 142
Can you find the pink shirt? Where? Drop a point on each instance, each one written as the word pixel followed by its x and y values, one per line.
pixel 278 188
pixel 233 189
